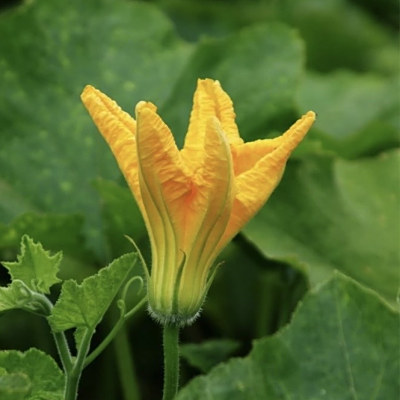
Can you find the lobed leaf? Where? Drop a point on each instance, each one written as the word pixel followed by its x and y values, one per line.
pixel 29 375
pixel 341 344
pixel 14 386
pixel 35 266
pixel 84 305
pixel 13 296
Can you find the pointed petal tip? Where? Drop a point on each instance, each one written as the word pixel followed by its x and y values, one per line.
pixel 208 82
pixel 87 91
pixel 145 105
pixel 91 96
pixel 310 115
pixel 308 120
pixel 301 127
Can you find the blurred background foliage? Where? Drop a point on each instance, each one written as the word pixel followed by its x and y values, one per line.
pixel 337 207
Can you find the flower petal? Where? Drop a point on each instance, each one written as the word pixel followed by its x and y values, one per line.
pixel 163 185
pixel 210 208
pixel 209 100
pixel 256 184
pixel 118 129
pixel 246 155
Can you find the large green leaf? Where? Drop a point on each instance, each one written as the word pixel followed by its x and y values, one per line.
pixel 339 35
pixel 260 93
pixel 121 216
pixel 84 305
pixel 32 375
pixel 15 386
pixel 332 214
pixel 207 354
pixel 35 266
pixel 50 151
pixel 341 344
pixel 357 114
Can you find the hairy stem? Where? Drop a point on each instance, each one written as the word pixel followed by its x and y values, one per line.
pixel 63 350
pixel 171 360
pixel 74 374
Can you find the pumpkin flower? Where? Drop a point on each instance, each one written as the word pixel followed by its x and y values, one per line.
pixel 193 200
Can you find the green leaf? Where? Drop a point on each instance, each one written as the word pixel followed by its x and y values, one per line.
pixel 10 297
pixel 55 232
pixel 354 111
pixel 14 386
pixel 121 216
pixel 260 93
pixel 35 267
pixel 275 290
pixel 207 354
pixel 341 344
pixel 84 305
pixel 50 151
pixel 34 374
pixel 351 39
pixel 333 214
pixel 14 296
pixel 12 203
pixel 17 295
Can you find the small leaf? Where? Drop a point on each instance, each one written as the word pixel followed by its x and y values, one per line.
pixel 11 297
pixel 32 367
pixel 341 344
pixel 14 296
pixel 18 295
pixel 55 232
pixel 84 305
pixel 78 336
pixel 14 386
pixel 35 267
pixel 207 354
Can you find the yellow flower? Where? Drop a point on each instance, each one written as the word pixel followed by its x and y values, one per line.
pixel 193 200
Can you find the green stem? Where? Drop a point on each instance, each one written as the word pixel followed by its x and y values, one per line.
pixel 126 366
pixel 171 360
pixel 111 335
pixel 59 337
pixel 63 350
pixel 74 374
